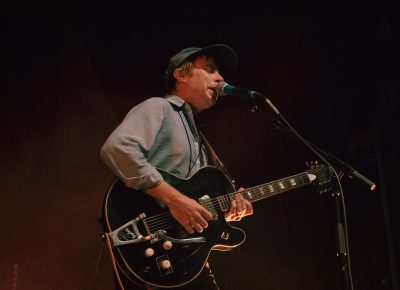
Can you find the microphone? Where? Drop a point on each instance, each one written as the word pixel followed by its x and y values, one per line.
pixel 224 89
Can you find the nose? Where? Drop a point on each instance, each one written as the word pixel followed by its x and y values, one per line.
pixel 218 77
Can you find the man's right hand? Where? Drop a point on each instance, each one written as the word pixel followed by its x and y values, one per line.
pixel 188 212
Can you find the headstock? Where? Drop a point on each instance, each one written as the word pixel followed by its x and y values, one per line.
pixel 323 174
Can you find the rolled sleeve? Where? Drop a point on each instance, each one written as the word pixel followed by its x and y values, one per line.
pixel 125 150
pixel 143 182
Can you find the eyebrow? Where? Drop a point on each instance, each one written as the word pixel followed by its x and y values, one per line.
pixel 211 64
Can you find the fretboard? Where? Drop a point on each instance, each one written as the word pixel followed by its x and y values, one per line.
pixel 265 190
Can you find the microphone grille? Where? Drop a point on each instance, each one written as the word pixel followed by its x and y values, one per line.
pixel 220 88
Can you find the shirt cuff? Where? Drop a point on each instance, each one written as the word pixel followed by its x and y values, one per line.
pixel 145 181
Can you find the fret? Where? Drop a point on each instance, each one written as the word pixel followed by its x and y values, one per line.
pixel 304 178
pixel 259 191
pixel 254 193
pixel 271 188
pixel 266 190
pixel 249 194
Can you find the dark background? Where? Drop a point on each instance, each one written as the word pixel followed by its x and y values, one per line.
pixel 73 70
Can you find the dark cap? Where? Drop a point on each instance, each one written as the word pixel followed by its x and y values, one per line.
pixel 224 56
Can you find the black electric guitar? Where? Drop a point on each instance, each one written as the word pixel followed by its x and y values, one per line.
pixel 153 249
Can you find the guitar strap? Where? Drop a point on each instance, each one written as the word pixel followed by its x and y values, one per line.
pixel 214 159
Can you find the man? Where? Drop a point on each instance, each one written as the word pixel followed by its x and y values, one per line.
pixel 161 133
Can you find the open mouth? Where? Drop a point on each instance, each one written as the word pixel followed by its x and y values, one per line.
pixel 214 92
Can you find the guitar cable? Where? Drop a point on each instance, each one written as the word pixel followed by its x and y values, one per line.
pixel 96 275
pixel 113 261
pixel 101 253
pixel 114 264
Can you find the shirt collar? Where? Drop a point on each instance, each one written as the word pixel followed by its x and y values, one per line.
pixel 180 103
pixel 175 100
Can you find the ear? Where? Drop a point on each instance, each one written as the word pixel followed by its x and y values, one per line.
pixel 178 75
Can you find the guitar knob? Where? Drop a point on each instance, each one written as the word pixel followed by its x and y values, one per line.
pixel 149 252
pixel 166 264
pixel 167 245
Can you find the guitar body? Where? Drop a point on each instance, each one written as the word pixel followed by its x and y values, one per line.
pixel 122 205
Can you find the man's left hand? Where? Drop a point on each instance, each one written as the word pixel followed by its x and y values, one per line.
pixel 240 207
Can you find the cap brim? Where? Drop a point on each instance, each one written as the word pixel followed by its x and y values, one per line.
pixel 223 55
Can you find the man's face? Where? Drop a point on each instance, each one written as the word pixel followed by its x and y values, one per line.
pixel 201 83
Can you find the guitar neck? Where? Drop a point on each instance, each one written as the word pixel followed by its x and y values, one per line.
pixel 266 190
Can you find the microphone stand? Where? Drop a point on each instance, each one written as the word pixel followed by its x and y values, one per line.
pixel 337 192
pixel 351 172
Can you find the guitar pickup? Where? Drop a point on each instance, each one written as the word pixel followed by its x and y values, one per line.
pixel 207 203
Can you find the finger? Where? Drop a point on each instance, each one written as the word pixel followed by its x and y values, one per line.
pixel 201 221
pixel 240 203
pixel 249 208
pixel 189 228
pixel 207 214
pixel 196 226
pixel 233 207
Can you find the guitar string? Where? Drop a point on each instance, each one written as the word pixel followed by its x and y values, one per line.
pixel 217 200
pixel 165 223
pixel 212 203
pixel 158 216
pixel 165 220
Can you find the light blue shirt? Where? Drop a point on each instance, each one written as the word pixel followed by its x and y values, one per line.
pixel 156 133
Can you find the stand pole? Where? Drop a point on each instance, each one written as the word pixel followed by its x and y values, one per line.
pixel 340 210
pixel 341 243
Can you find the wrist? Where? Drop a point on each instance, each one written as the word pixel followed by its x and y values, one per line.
pixel 164 192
